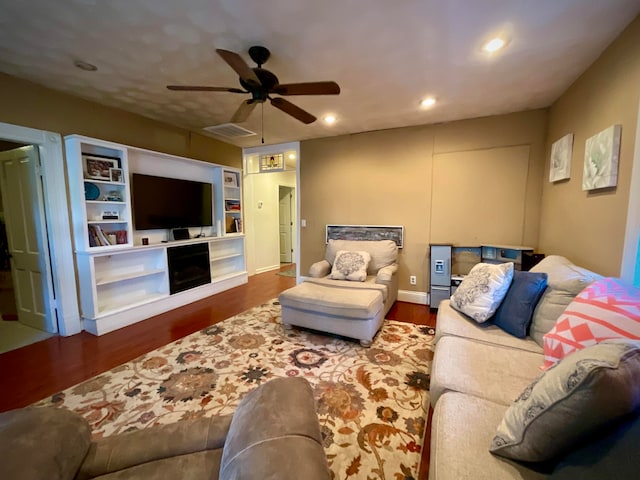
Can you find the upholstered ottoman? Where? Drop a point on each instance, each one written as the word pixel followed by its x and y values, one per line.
pixel 354 313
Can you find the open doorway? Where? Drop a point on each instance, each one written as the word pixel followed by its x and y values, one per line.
pixel 25 274
pixel 286 215
pixel 271 211
pixel 62 314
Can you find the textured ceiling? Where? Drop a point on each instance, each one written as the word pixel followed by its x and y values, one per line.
pixel 385 54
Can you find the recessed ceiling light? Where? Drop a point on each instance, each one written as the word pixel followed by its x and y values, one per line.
pixel 428 102
pixel 87 67
pixel 292 156
pixel 494 45
pixel 329 119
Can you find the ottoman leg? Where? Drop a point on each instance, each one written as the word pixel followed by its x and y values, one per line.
pixel 365 343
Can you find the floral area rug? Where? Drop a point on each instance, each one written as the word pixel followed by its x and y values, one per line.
pixel 372 402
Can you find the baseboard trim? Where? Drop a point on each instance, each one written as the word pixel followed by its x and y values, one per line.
pixel 267 269
pixel 421 298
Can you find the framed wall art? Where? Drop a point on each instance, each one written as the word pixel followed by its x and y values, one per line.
pixel 366 232
pixel 560 165
pixel 601 154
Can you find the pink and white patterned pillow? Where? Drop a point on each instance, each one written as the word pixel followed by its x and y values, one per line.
pixel 608 308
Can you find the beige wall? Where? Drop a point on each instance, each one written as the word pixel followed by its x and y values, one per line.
pixel 386 178
pixel 589 227
pixel 29 105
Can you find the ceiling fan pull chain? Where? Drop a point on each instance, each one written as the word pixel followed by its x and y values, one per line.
pixel 262 111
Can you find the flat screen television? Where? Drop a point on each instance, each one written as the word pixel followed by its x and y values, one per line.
pixel 162 202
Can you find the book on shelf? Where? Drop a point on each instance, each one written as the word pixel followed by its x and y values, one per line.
pixel 238 224
pixel 232 205
pixel 100 238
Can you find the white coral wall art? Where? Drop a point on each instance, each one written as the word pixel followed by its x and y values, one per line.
pixel 561 150
pixel 601 154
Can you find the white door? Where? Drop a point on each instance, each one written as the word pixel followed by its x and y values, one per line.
pixel 285 219
pixel 21 189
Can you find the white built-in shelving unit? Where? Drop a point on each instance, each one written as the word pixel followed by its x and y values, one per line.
pixel 121 280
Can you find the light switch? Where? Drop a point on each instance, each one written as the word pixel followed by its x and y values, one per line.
pixel 260 203
pixel 303 222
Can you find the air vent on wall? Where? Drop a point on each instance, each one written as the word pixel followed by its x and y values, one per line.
pixel 229 130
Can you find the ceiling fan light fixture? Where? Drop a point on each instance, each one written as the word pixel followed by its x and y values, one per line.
pixel 428 102
pixel 329 119
pixel 494 45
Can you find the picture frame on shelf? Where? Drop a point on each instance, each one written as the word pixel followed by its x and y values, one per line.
pixel 230 179
pixel 115 174
pixel 98 168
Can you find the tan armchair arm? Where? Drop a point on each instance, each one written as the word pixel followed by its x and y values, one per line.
pixel 385 274
pixel 320 269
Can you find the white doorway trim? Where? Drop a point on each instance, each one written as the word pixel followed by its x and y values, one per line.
pixel 630 268
pixel 251 234
pixel 57 214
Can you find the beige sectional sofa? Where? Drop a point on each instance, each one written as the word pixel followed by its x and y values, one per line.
pixel 479 370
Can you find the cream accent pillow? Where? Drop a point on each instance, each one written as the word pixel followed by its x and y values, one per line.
pixel 481 292
pixel 573 399
pixel 350 265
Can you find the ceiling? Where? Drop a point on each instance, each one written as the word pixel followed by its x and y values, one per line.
pixel 386 55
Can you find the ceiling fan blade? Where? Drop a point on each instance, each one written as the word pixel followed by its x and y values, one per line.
pixel 196 88
pixel 243 111
pixel 287 107
pixel 308 88
pixel 236 62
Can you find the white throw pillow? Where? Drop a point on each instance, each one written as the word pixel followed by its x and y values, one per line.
pixel 481 292
pixel 350 265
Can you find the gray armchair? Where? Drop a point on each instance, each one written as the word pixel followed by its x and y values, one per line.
pixel 354 309
pixel 381 272
pixel 274 433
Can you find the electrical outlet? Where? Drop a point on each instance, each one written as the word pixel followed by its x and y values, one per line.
pixel 412 280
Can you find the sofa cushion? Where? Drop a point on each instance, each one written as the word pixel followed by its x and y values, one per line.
pixel 461 428
pixel 570 401
pixel 349 265
pixel 453 323
pixel 492 372
pixel 383 252
pixel 275 434
pixel 481 292
pixel 613 455
pixel 565 280
pixel 608 308
pixel 42 443
pixel 516 310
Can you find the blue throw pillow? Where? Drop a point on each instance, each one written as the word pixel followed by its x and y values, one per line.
pixel 516 310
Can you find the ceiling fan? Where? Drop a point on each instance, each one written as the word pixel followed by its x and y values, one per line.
pixel 261 84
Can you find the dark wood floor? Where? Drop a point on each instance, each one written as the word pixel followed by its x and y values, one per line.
pixel 36 371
